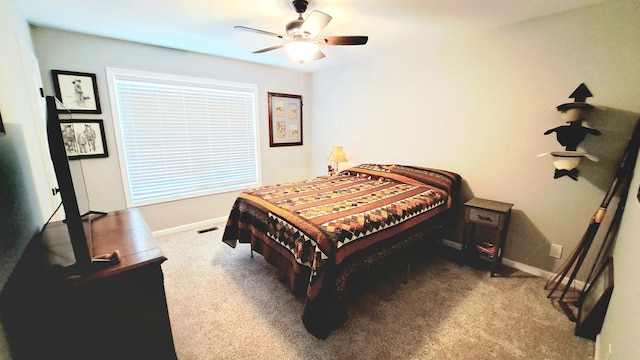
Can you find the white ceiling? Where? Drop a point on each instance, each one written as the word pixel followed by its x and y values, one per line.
pixel 206 26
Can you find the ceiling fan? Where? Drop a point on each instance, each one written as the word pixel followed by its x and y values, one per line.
pixel 301 41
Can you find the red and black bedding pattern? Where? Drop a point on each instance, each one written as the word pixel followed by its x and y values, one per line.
pixel 321 222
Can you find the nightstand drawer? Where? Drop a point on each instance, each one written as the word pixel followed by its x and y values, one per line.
pixel 484 216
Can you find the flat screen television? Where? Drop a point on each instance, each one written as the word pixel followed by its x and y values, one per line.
pixel 77 222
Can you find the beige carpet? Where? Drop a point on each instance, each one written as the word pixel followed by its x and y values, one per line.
pixel 225 305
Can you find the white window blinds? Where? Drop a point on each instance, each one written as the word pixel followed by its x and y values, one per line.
pixel 182 137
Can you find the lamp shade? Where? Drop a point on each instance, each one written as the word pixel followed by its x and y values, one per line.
pixel 301 50
pixel 337 155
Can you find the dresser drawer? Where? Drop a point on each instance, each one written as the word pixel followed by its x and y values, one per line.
pixel 484 216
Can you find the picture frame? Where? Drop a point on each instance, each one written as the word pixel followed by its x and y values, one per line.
pixel 595 301
pixel 77 91
pixel 84 138
pixel 285 119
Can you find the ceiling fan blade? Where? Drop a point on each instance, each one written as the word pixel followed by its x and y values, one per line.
pixel 267 49
pixel 344 40
pixel 318 55
pixel 258 31
pixel 314 23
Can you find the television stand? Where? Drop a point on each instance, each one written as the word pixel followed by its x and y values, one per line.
pixel 112 311
pixel 93 212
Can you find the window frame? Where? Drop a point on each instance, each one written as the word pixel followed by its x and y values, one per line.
pixel 115 74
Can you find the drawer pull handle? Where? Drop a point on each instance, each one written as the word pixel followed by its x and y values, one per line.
pixel 484 218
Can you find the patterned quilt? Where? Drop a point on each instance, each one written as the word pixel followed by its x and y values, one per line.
pixel 321 222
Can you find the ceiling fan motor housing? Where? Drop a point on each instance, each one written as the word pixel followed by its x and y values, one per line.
pixel 300 5
pixel 293 28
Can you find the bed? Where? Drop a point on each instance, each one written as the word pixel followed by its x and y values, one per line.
pixel 323 232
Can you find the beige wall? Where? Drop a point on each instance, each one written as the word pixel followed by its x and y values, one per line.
pixel 62 50
pixel 479 104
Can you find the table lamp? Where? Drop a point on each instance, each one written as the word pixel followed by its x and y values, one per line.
pixel 337 156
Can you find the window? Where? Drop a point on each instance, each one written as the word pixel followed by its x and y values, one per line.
pixel 182 137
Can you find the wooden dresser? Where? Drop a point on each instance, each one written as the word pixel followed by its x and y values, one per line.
pixel 111 311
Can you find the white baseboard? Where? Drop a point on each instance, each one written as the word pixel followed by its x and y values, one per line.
pixel 516 265
pixel 198 225
pixel 452 244
pixel 596 355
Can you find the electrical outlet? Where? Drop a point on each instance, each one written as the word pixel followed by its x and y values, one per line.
pixel 555 251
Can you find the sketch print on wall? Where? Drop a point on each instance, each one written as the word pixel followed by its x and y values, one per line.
pixel 84 138
pixel 285 119
pixel 77 91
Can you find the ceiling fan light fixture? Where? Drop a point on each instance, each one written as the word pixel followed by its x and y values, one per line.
pixel 301 42
pixel 301 50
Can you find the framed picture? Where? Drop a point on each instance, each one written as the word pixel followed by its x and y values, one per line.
pixel 84 138
pixel 595 302
pixel 77 91
pixel 285 119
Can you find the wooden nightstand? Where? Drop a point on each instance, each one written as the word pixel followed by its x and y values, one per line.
pixel 486 223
